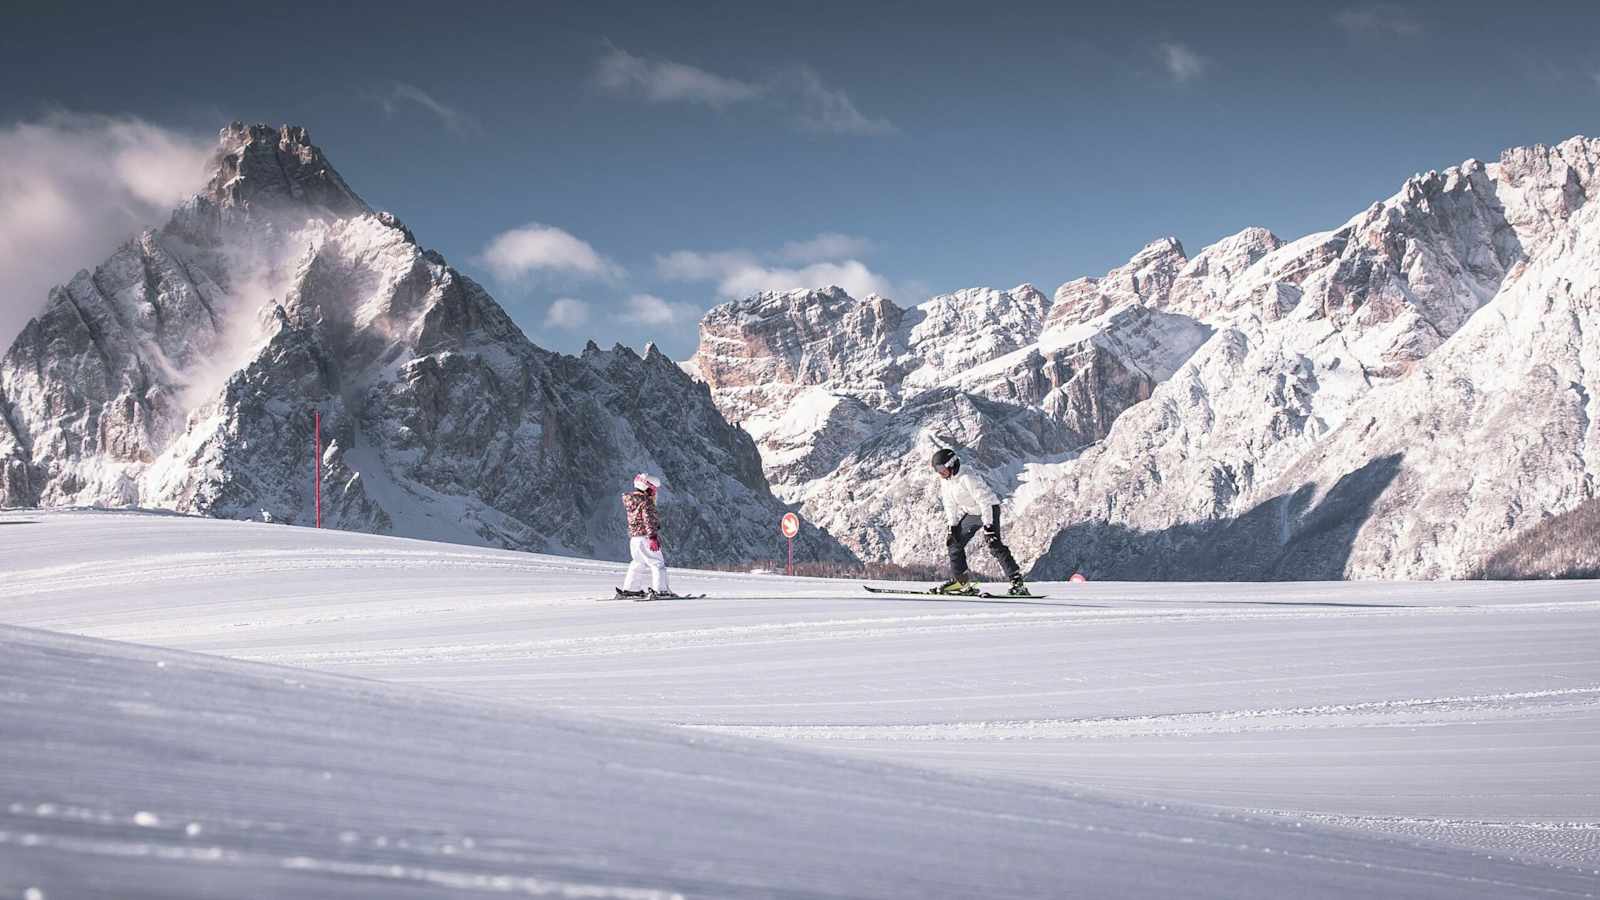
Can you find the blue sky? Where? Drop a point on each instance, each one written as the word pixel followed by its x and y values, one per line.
pixel 643 164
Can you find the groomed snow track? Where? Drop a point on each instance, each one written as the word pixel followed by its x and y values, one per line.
pixel 384 717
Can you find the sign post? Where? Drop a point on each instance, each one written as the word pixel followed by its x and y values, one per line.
pixel 790 526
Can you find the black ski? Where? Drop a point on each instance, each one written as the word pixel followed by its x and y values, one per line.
pixel 983 595
pixel 648 598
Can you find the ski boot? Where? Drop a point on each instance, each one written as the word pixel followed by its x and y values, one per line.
pixel 623 594
pixel 653 594
pixel 957 588
pixel 1018 589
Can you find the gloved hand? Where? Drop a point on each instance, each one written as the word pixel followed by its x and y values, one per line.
pixel 993 525
pixel 953 537
pixel 655 543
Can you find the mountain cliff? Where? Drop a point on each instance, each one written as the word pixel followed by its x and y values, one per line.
pixel 1395 397
pixel 183 372
pixel 847 399
pixel 1422 392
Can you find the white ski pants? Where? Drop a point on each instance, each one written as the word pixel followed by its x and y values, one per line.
pixel 645 558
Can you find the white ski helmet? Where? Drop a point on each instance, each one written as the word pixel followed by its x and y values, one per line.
pixel 643 482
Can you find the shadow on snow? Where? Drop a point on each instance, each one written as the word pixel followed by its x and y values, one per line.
pixel 1286 538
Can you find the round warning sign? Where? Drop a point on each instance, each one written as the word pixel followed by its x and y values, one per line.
pixel 790 526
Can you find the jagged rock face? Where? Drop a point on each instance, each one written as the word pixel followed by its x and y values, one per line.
pixel 1201 289
pixel 1162 277
pixel 848 399
pixel 1428 392
pixel 263 169
pixel 1145 279
pixel 100 384
pixel 953 332
pixel 1261 409
pixel 98 375
pixel 758 353
pixel 182 374
pixel 1495 432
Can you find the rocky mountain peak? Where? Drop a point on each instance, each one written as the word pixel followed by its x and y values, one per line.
pixel 183 373
pixel 1202 284
pixel 258 165
pixel 788 303
pixel 1146 278
pixel 1579 156
pixel 773 341
pixel 1236 251
pixel 1158 250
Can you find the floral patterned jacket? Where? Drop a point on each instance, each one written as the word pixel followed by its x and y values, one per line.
pixel 643 520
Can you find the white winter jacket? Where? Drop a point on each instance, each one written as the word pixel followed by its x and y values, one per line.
pixel 964 493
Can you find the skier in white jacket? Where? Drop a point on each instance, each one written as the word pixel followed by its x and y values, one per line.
pixel 969 505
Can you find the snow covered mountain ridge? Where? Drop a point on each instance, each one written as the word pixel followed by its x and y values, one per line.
pixel 1397 396
pixel 1394 397
pixel 182 374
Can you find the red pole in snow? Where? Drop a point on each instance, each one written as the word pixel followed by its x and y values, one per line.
pixel 791 556
pixel 317 462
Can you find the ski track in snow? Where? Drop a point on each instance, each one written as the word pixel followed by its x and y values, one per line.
pixel 1456 714
pixel 1380 714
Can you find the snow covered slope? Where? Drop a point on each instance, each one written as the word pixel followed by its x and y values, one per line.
pixel 182 374
pixel 1234 723
pixel 139 773
pixel 1431 392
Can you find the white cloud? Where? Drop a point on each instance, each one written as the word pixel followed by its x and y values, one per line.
pixel 826 109
pixel 567 313
pixel 1182 62
pixel 688 265
pixel 1382 19
pixel 665 81
pixel 72 188
pixel 514 254
pixel 825 246
pixel 852 275
pixel 798 94
pixel 740 273
pixel 648 309
pixel 453 118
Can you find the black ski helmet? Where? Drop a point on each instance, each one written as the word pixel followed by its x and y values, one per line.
pixel 945 458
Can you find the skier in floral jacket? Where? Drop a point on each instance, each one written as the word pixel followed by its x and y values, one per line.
pixel 644 542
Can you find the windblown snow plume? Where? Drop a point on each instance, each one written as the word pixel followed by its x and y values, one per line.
pixel 74 186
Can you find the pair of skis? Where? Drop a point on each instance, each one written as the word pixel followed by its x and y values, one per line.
pixel 643 598
pixel 935 592
pixel 930 593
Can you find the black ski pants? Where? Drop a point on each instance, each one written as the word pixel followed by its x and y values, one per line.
pixel 956 543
